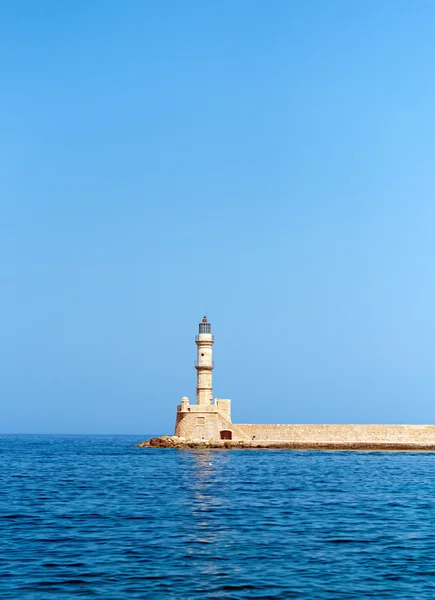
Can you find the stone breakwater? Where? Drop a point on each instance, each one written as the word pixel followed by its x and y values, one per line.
pixel 182 443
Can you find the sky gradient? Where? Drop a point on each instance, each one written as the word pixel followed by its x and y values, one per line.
pixel 269 162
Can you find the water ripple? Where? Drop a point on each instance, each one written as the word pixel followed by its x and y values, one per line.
pixel 95 517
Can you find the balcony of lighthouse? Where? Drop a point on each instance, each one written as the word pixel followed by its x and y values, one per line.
pixel 200 365
pixel 204 337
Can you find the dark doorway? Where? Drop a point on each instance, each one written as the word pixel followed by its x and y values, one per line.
pixel 226 435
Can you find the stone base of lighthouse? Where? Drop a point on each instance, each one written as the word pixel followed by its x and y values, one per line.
pixel 198 423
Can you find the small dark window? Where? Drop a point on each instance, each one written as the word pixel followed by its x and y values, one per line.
pixel 202 353
pixel 226 435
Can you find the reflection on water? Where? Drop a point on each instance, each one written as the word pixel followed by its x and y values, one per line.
pixel 203 506
pixel 94 517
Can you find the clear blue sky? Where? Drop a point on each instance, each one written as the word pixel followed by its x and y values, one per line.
pixel 271 162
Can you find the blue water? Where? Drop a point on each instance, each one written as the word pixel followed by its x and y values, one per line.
pixel 94 517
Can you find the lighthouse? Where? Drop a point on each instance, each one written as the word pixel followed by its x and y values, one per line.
pixel 208 419
pixel 204 364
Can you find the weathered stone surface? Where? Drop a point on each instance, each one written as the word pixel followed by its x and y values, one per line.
pixel 341 433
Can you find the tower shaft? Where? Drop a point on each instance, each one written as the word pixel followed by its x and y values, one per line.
pixel 204 364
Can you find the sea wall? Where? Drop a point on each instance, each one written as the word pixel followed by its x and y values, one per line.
pixel 202 423
pixel 401 434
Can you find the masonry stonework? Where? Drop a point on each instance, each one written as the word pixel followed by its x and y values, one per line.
pixel 210 421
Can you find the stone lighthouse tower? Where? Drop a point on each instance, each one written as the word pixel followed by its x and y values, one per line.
pixel 204 364
pixel 207 419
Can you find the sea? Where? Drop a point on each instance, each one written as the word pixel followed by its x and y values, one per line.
pixel 96 517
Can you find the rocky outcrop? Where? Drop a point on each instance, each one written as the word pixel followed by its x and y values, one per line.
pixel 167 441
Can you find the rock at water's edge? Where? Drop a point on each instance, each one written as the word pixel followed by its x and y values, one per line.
pixel 167 441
